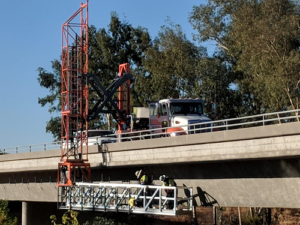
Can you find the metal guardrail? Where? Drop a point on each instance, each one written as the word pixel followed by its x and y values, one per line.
pixel 211 126
pixel 31 148
pixel 218 125
pixel 130 198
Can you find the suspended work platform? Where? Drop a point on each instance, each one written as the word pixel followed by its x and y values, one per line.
pixel 129 198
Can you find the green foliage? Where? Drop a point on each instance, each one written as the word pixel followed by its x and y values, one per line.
pixel 103 221
pixel 52 82
pixel 5 219
pixel 254 70
pixel 266 43
pixel 260 42
pixel 216 86
pixel 53 219
pixel 254 220
pixel 54 126
pixel 179 68
pixel 119 44
pixel 69 218
pixel 172 63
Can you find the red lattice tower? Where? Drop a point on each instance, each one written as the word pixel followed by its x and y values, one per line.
pixel 124 96
pixel 74 98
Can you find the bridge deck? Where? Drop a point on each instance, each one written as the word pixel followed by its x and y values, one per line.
pixel 257 167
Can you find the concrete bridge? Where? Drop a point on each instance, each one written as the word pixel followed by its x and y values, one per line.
pixel 251 167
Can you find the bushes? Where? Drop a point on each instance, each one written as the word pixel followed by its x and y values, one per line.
pixel 70 218
pixel 5 219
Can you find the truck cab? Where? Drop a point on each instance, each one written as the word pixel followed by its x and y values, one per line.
pixel 178 113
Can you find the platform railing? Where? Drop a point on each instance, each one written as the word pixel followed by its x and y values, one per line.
pixel 130 198
pixel 202 127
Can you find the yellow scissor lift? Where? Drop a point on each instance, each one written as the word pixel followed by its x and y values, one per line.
pixel 114 197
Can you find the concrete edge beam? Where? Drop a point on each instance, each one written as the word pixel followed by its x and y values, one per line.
pixel 203 138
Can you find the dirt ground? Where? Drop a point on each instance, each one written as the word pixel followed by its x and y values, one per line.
pixel 202 216
pixel 230 215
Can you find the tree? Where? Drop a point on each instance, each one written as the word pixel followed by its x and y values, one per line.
pixel 172 64
pixel 215 87
pixel 120 44
pixel 179 68
pixel 5 218
pixel 52 82
pixel 107 49
pixel 260 41
pixel 266 35
pixel 69 218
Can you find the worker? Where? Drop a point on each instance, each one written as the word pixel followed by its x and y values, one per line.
pixel 143 180
pixel 168 181
pixel 143 177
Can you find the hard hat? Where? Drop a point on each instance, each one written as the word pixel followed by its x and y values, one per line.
pixel 138 173
pixel 162 178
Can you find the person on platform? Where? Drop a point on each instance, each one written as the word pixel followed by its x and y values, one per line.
pixel 144 179
pixel 168 182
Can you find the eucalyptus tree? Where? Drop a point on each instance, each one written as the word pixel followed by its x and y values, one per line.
pixel 179 68
pixel 172 63
pixel 260 39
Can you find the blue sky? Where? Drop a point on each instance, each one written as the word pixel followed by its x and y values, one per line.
pixel 30 37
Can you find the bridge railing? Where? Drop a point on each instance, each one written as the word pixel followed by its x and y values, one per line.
pixel 217 125
pixel 203 127
pixel 31 148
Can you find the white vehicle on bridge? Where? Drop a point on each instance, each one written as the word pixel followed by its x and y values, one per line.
pixel 98 137
pixel 95 137
pixel 178 116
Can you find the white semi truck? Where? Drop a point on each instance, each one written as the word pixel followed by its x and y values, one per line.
pixel 176 114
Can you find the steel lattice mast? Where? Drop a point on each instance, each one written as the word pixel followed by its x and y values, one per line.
pixel 74 98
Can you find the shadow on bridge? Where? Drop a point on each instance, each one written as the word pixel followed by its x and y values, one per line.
pixel 204 198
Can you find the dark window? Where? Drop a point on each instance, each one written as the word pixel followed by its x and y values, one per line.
pixel 186 108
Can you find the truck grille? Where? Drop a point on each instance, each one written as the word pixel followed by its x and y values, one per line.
pixel 193 129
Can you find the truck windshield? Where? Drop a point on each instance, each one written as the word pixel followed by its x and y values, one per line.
pixel 186 108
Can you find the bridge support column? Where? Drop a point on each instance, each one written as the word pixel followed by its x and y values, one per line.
pixel 25 213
